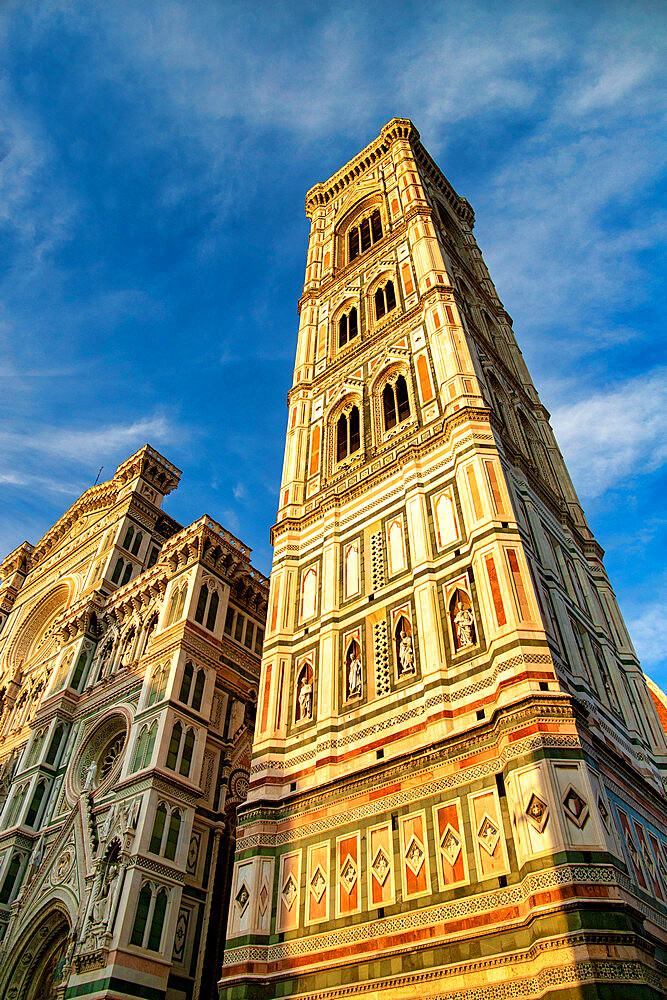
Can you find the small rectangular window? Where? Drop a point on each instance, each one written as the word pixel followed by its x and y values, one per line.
pixel 247 639
pixel 259 641
pixel 240 620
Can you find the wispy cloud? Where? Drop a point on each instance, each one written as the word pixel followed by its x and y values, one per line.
pixel 615 434
pixel 648 628
pixel 81 445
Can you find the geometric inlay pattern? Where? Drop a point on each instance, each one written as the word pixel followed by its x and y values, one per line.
pixel 377 561
pixel 381 651
pixel 263 898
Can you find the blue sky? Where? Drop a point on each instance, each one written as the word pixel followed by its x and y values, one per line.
pixel 155 159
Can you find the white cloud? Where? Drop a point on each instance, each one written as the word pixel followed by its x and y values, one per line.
pixel 614 434
pixel 81 446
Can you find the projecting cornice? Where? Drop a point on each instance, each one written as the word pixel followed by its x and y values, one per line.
pixel 395 130
pixel 321 194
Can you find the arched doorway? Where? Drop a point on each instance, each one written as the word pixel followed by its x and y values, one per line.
pixel 38 971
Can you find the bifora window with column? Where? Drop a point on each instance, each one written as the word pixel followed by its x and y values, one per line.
pixel 363 235
pixel 395 402
pixel 348 327
pixel 385 300
pixel 348 435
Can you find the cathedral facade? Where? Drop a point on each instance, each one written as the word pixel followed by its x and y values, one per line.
pixel 129 662
pixel 458 774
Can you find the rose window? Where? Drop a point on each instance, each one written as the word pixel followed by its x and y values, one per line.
pixel 111 755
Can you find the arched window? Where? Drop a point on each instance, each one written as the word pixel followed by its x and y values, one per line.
pixel 385 300
pixel 140 748
pixel 207 599
pixel 79 669
pixel 127 574
pixel 137 543
pixel 395 402
pixel 199 690
pixel 11 877
pixel 364 235
pixel 158 685
pixel 348 439
pixel 201 604
pixel 347 327
pixel 212 611
pixel 180 604
pixel 16 806
pixel 118 569
pixel 54 745
pixel 35 803
pixel 155 935
pixel 173 831
pixel 186 683
pixel 128 538
pixel 150 743
pixel 141 915
pixel 149 628
pixel 171 610
pixel 186 756
pixel 126 646
pixel 174 746
pixel 155 844
pixel 37 741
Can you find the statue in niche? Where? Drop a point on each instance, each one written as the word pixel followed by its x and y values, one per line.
pixel 304 706
pixel 463 621
pixel 405 648
pixel 354 685
pixel 306 701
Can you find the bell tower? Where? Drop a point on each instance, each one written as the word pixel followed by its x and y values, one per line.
pixel 458 772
